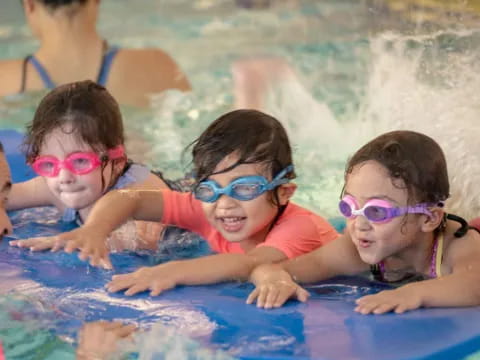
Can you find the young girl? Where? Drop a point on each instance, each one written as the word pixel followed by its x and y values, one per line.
pixel 75 145
pixel 240 205
pixel 393 199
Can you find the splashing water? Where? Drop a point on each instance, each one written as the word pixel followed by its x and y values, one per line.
pixel 431 84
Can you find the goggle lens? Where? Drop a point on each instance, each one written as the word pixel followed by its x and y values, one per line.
pixel 204 192
pixel 376 213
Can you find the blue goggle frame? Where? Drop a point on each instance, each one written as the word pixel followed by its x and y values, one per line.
pixel 209 191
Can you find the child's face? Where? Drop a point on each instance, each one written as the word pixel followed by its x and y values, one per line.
pixel 241 220
pixel 377 241
pixel 74 191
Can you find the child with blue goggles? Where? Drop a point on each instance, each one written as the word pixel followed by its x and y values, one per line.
pixel 240 205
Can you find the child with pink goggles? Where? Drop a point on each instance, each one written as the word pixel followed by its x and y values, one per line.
pixel 79 163
pixel 380 211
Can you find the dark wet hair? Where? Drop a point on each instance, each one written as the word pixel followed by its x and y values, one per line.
pixel 414 158
pixel 1 148
pixel 254 136
pixel 257 138
pixel 89 108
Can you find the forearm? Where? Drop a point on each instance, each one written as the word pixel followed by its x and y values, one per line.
pixel 214 269
pixel 331 260
pixel 117 206
pixel 460 289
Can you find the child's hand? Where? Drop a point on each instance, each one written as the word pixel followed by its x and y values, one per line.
pixel 156 279
pixel 98 340
pixel 52 243
pixel 149 233
pixel 398 300
pixel 274 286
pixel 91 244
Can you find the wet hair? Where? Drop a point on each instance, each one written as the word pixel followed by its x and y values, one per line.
pixel 414 158
pixel 87 107
pixel 253 136
pixel 1 148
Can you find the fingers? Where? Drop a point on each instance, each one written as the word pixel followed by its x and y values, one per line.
pixel 121 282
pixel 253 296
pixel 38 244
pixel 275 295
pixel 381 303
pixel 302 294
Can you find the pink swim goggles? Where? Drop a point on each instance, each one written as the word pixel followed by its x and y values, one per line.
pixel 79 163
pixel 380 211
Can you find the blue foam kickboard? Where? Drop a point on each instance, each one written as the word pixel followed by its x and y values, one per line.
pixel 326 327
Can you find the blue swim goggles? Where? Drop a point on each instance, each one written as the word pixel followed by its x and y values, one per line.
pixel 244 188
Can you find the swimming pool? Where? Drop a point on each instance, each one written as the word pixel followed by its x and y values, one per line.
pixel 354 75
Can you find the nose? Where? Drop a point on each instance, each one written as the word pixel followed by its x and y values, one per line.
pixel 65 176
pixel 225 202
pixel 361 223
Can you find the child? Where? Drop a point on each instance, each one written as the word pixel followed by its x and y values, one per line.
pixel 240 205
pixel 75 145
pixel 395 188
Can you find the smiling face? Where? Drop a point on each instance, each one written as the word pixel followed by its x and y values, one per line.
pixel 73 191
pixel 375 242
pixel 5 187
pixel 243 221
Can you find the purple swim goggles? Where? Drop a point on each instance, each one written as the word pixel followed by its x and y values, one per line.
pixel 380 211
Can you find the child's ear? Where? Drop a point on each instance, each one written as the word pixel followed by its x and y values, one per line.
pixel 430 223
pixel 285 192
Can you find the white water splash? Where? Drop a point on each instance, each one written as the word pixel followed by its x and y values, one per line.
pixel 431 84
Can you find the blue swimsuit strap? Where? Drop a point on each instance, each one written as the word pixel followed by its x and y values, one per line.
pixel 102 77
pixel 106 65
pixel 42 72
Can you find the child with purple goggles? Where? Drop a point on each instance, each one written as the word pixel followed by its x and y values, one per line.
pixel 380 211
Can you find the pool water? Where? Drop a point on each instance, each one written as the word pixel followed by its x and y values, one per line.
pixel 363 67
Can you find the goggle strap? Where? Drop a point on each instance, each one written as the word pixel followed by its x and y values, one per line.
pixel 279 180
pixel 116 153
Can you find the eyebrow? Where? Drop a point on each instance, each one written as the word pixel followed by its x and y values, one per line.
pixel 381 197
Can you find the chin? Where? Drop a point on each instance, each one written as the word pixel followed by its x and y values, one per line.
pixel 370 259
pixel 233 239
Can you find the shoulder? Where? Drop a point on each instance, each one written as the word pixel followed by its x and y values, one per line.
pixel 460 249
pixel 141 177
pixel 10 76
pixel 154 66
pixel 138 73
pixel 304 220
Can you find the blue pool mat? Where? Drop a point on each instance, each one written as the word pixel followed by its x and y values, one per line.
pixel 324 328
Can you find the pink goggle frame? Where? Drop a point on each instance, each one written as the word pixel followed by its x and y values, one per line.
pixel 380 211
pixel 79 163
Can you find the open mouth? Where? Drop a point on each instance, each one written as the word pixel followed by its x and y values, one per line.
pixel 364 243
pixel 232 223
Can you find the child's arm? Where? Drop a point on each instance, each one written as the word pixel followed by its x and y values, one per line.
pixel 459 288
pixel 205 270
pixel 36 193
pixel 109 212
pixel 275 284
